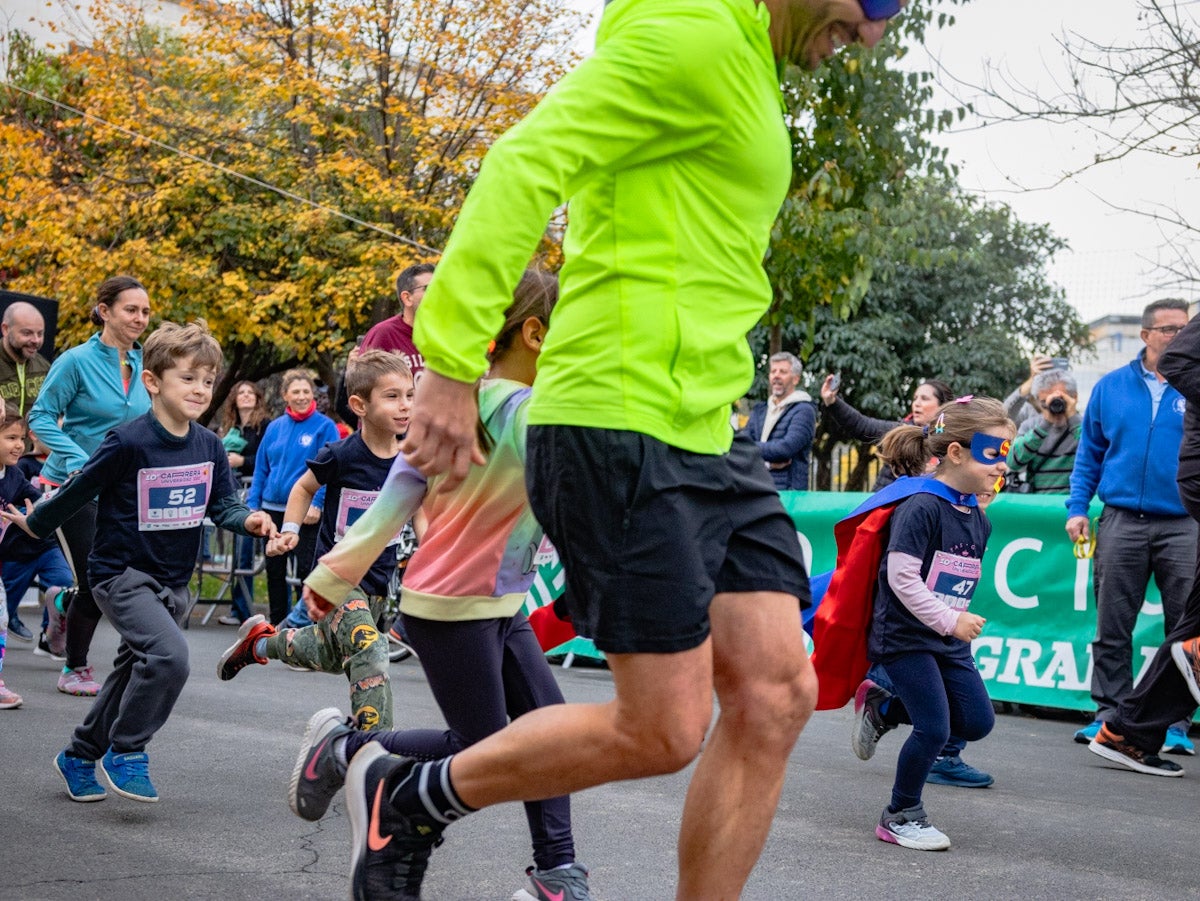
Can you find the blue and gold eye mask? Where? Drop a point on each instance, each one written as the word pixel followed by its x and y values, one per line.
pixel 988 449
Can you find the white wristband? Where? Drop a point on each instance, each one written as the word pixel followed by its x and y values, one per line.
pixel 292 527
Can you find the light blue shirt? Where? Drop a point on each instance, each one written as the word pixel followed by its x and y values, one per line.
pixel 1157 388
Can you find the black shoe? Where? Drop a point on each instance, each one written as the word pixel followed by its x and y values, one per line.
pixel 18 629
pixel 390 850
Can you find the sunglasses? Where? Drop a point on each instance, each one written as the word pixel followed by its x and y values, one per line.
pixel 878 10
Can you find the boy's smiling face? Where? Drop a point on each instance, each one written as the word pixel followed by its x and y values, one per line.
pixel 181 394
pixel 390 404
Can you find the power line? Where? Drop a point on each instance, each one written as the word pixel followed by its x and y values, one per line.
pixel 283 192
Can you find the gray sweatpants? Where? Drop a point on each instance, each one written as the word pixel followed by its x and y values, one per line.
pixel 1129 550
pixel 150 668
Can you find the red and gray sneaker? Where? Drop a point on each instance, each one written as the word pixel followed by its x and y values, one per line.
pixel 560 884
pixel 390 850
pixel 318 774
pixel 869 726
pixel 1111 746
pixel 241 654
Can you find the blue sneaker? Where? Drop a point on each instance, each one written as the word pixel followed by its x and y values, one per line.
pixel 1085 735
pixel 1178 743
pixel 129 775
pixel 953 771
pixel 80 776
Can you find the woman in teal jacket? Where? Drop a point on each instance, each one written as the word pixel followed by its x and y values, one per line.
pixel 90 389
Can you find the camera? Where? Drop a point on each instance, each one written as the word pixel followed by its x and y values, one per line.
pixel 1057 406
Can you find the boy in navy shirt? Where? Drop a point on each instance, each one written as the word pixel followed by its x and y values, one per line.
pixel 156 478
pixel 352 471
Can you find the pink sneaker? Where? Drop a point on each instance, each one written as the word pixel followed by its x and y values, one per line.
pixel 8 699
pixel 56 630
pixel 79 682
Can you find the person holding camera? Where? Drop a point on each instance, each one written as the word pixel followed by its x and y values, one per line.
pixel 1043 453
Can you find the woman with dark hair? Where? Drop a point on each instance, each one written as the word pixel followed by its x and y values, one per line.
pixel 244 420
pixel 847 421
pixel 90 389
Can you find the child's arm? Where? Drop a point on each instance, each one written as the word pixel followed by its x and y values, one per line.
pixel 904 578
pixel 105 467
pixel 342 568
pixel 299 503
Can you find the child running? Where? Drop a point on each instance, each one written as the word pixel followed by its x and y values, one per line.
pixel 15 489
pixel 921 630
pixel 460 603
pixel 156 476
pixel 353 472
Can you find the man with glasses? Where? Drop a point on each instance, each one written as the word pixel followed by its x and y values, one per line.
pixel 1128 454
pixel 395 334
pixel 681 564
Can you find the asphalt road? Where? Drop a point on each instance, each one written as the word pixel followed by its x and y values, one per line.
pixel 1057 824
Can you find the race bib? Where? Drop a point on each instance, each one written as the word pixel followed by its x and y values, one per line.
pixel 352 504
pixel 952 579
pixel 173 497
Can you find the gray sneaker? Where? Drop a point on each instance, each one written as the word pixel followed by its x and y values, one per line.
pixel 562 884
pixel 869 726
pixel 911 829
pixel 318 775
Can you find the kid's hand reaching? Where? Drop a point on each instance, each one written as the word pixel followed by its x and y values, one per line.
pixel 318 608
pixel 16 517
pixel 259 523
pixel 968 626
pixel 282 543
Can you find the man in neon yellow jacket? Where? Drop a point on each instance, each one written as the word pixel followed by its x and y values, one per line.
pixel 669 142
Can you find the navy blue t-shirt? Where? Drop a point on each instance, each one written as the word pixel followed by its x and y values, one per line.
pixel 353 477
pixel 154 490
pixel 15 545
pixel 950 545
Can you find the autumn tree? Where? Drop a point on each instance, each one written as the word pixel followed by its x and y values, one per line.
pixel 269 165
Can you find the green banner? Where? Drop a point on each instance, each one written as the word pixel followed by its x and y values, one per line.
pixel 1037 598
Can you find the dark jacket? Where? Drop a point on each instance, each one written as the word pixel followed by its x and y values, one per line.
pixel 787 448
pixel 1180 366
pixel 850 423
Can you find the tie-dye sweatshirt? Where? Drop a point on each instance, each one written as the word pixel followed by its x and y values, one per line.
pixel 475 560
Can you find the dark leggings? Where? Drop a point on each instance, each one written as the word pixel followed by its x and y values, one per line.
pixel 482 673
pixel 278 595
pixel 76 536
pixel 940 694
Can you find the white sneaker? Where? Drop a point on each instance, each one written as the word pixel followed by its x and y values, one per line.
pixel 911 829
pixel 229 620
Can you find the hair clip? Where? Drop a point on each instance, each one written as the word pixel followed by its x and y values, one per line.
pixel 925 430
pixel 965 399
pixel 491 347
pixel 940 426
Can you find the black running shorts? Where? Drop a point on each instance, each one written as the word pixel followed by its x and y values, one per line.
pixel 648 533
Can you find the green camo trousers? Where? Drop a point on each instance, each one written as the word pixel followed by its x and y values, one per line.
pixel 346 641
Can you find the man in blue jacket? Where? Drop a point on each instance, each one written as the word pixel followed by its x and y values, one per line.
pixel 1128 453
pixel 783 424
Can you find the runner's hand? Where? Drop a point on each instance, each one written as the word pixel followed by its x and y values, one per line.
pixel 968 626
pixel 318 608
pixel 441 435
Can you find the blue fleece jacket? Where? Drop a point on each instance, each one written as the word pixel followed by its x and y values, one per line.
pixel 286 447
pixel 84 388
pixel 1124 457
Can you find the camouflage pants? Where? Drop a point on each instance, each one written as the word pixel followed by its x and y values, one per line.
pixel 346 641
